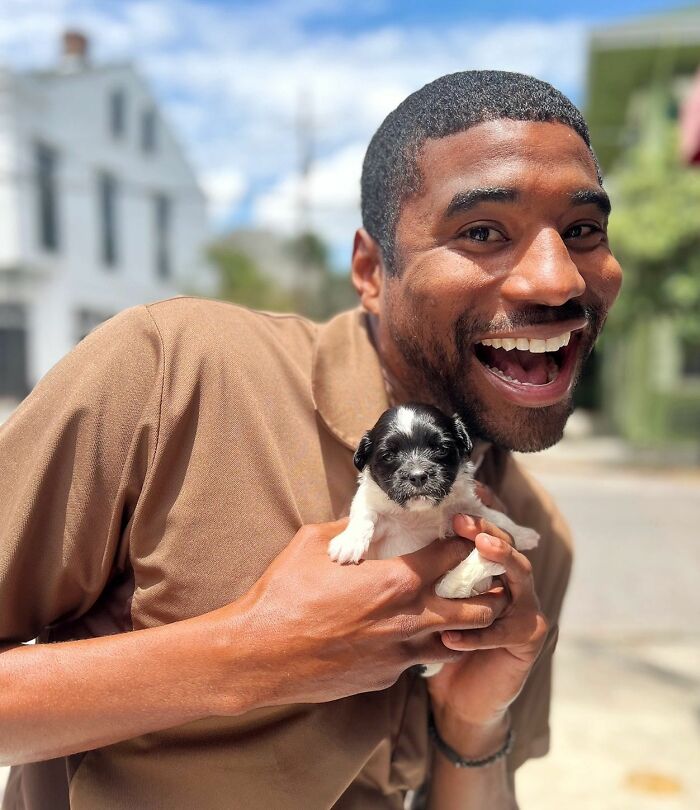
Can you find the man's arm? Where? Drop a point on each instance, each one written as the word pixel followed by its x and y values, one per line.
pixel 57 699
pixel 347 629
pixel 454 788
pixel 471 698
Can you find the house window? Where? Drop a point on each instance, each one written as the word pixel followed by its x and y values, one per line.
pixel 13 352
pixel 690 349
pixel 46 161
pixel 117 113
pixel 148 131
pixel 108 193
pixel 88 319
pixel 163 216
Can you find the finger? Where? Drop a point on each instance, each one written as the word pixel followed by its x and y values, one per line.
pixel 527 630
pixel 435 560
pixel 488 497
pixel 468 526
pixel 431 650
pixel 464 614
pixel 320 534
pixel 518 569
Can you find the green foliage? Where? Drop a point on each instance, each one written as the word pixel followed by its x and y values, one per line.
pixel 319 291
pixel 241 281
pixel 616 75
pixel 655 225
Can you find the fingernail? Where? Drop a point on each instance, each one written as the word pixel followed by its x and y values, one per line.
pixel 494 542
pixel 469 521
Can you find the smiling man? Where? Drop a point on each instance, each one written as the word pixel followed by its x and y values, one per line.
pixel 169 489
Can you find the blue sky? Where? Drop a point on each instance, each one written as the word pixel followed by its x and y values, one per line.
pixel 232 78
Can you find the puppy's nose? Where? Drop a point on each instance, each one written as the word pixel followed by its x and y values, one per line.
pixel 418 477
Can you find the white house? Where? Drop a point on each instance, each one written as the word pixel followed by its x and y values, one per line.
pixel 99 209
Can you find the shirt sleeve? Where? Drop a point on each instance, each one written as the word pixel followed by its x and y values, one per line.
pixel 74 457
pixel 530 505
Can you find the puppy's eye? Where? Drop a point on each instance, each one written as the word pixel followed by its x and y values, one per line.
pixel 442 452
pixel 388 456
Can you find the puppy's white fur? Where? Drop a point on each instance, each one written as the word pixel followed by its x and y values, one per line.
pixel 379 528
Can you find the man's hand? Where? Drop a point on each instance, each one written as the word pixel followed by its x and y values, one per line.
pixel 311 630
pixel 471 696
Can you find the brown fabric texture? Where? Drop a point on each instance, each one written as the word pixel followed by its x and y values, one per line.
pixel 151 476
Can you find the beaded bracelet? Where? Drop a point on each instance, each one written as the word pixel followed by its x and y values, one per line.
pixel 460 762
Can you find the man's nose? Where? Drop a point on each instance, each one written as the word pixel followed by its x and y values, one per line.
pixel 545 273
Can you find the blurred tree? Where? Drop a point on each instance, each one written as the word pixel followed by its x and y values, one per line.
pixel 326 290
pixel 655 229
pixel 316 289
pixel 241 281
pixel 651 394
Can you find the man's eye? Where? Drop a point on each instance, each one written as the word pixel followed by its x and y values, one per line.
pixel 482 233
pixel 582 231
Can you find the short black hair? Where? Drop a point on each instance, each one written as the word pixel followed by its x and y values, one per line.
pixel 448 105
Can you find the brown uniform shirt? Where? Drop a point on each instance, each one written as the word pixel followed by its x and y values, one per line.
pixel 151 476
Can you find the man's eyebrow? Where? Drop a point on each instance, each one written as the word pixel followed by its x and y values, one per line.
pixel 592 196
pixel 464 200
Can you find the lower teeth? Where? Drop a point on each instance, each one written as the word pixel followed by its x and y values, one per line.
pixel 552 374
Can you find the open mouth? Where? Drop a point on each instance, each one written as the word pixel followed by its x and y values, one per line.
pixel 530 371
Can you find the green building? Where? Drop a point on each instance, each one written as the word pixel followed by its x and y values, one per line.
pixel 647 377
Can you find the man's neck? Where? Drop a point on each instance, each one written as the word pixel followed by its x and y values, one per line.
pixel 397 393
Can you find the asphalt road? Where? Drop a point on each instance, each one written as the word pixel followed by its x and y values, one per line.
pixel 637 557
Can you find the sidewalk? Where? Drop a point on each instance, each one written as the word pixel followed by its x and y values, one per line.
pixel 626 691
pixel 624 729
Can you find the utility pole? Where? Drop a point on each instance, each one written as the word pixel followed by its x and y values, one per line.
pixel 305 156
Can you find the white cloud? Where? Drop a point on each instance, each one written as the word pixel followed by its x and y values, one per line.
pixel 223 189
pixel 230 76
pixel 333 193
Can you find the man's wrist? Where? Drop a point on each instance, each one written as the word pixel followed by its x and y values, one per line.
pixel 471 740
pixel 233 686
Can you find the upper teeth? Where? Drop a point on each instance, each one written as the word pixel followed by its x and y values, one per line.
pixel 529 344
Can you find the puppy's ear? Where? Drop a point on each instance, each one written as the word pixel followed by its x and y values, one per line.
pixel 463 441
pixel 364 448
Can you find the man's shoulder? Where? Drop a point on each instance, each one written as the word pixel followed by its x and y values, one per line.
pixel 202 318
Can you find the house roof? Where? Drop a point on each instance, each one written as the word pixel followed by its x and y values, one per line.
pixel 680 26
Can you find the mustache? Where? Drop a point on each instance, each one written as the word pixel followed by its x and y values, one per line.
pixel 534 315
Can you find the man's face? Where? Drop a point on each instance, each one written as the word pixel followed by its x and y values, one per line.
pixel 506 241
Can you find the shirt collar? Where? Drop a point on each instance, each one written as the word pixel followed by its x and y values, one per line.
pixel 349 388
pixel 347 382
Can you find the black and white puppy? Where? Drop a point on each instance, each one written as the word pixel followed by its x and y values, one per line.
pixel 415 476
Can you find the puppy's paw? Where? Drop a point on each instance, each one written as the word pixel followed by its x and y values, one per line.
pixel 525 538
pixel 472 576
pixel 347 548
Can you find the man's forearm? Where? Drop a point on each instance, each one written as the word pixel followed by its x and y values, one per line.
pixel 57 699
pixel 453 788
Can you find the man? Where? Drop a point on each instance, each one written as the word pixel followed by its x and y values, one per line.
pixel 180 474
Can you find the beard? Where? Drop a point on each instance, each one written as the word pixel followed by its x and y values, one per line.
pixel 445 373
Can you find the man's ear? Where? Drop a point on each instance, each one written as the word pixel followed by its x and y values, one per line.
pixel 367 271
pixel 464 442
pixel 364 448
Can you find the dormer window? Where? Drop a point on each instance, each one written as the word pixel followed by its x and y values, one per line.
pixel 117 113
pixel 148 131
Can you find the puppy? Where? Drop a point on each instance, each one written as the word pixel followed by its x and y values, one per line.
pixel 415 476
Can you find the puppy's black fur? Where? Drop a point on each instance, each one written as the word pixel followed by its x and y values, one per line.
pixel 421 462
